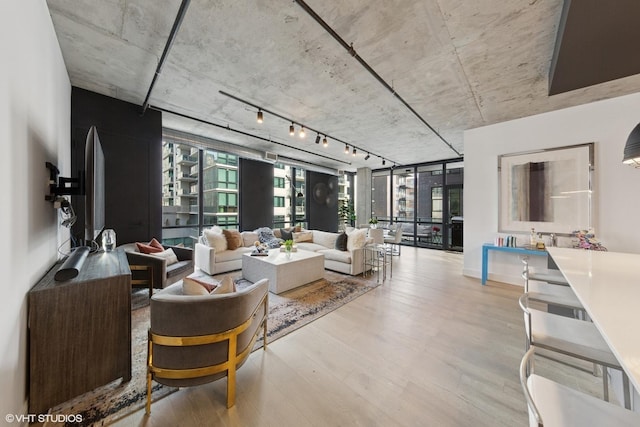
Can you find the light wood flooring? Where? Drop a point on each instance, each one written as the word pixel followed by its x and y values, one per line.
pixel 429 347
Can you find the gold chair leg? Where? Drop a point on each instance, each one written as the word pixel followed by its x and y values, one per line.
pixel 264 326
pixel 231 387
pixel 148 404
pixel 149 363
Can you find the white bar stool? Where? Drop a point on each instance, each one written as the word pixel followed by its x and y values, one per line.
pixel 549 288
pixel 572 337
pixel 554 405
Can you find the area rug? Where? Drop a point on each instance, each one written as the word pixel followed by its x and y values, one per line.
pixel 287 312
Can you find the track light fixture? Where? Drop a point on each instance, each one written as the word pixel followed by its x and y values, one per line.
pixel 383 162
pixel 261 110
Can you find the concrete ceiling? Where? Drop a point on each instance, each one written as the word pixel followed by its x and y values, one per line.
pixel 458 64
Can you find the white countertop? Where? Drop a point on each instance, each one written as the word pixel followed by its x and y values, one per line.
pixel 608 286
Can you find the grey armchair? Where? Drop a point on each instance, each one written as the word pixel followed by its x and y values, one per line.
pixel 163 275
pixel 195 340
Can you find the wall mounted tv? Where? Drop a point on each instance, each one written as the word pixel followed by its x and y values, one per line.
pixel 89 183
pixel 94 206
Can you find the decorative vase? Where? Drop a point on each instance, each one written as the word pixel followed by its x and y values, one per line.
pixel 287 252
pixel 108 240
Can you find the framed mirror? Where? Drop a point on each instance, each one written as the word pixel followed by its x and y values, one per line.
pixel 548 190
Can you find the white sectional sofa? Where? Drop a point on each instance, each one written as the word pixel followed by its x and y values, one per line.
pixel 215 260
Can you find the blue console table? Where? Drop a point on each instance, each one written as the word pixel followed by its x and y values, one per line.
pixel 516 250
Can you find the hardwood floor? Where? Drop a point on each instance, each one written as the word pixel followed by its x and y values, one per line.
pixel 429 347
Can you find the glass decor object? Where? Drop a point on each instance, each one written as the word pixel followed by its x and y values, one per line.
pixel 108 240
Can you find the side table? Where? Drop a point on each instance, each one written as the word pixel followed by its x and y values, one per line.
pixel 515 250
pixel 376 259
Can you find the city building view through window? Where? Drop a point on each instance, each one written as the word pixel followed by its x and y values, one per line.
pixel 200 188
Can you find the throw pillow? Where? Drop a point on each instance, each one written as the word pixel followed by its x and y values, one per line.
pixel 227 286
pixel 216 240
pixel 249 238
pixel 286 234
pixel 169 255
pixel 341 242
pixel 357 239
pixel 303 236
pixel 146 248
pixel 154 243
pixel 266 237
pixel 234 239
pixel 191 286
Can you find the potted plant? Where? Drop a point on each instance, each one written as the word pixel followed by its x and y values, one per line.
pixel 373 222
pixel 288 247
pixel 346 213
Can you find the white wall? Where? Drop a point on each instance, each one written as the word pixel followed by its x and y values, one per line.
pixel 616 186
pixel 35 121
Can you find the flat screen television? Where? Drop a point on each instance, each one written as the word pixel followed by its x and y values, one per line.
pixel 94 187
pixel 93 207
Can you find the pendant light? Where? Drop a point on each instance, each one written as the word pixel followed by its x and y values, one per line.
pixel 632 148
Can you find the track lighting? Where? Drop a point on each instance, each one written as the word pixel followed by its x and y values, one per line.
pixel 383 162
pixel 261 110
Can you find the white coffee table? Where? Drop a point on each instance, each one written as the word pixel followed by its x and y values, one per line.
pixel 284 274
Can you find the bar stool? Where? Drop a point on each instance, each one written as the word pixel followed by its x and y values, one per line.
pixel 550 288
pixel 551 404
pixel 571 337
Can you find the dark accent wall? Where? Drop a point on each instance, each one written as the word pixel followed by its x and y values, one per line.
pixel 597 41
pixel 256 194
pixel 132 146
pixel 322 201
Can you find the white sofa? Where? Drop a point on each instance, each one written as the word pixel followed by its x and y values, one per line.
pixel 213 261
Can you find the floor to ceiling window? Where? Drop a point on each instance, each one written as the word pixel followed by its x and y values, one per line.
pixel 199 188
pixel 425 200
pixel 429 221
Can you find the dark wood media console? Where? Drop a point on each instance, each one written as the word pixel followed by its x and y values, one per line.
pixel 79 331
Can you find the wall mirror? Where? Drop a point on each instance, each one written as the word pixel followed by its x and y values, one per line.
pixel 548 190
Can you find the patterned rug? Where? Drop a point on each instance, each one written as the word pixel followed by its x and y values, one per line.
pixel 287 312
